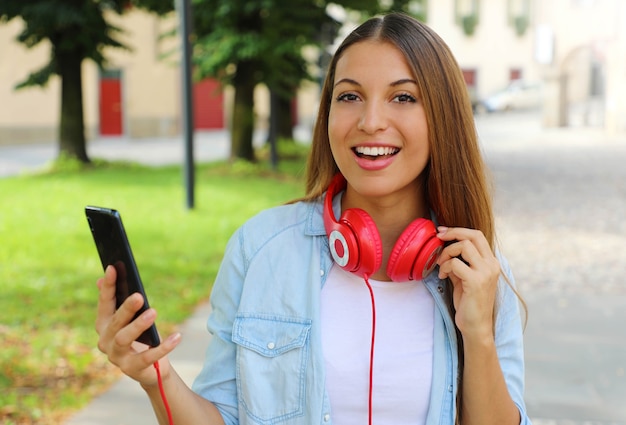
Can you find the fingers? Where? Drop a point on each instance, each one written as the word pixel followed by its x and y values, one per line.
pixel 122 333
pixel 118 330
pixel 106 298
pixel 458 255
pixel 125 328
pixel 470 264
pixel 466 247
pixel 136 359
pixel 147 356
pixel 113 323
pixel 121 321
pixel 118 341
pixel 473 241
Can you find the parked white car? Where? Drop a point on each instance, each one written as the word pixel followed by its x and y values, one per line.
pixel 518 94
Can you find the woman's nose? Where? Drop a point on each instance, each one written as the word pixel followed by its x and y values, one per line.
pixel 373 118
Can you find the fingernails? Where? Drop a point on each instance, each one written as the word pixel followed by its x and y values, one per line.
pixel 137 298
pixel 149 315
pixel 442 230
pixel 174 338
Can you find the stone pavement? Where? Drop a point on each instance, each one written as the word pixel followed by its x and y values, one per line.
pixel 560 202
pixel 560 205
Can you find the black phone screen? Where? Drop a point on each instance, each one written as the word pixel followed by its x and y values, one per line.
pixel 113 248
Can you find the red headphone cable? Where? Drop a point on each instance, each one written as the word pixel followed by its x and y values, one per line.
pixel 371 377
pixel 170 421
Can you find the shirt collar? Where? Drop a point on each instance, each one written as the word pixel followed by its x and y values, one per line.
pixel 315 216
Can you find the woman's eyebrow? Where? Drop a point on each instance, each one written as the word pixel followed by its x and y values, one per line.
pixel 393 84
pixel 348 81
pixel 403 81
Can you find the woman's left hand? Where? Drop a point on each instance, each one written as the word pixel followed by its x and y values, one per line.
pixel 473 270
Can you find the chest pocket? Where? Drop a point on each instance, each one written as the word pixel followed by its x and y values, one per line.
pixel 272 354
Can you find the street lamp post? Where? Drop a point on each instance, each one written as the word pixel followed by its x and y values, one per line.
pixel 183 8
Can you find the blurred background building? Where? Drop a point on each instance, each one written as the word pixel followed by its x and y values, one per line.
pixel 565 58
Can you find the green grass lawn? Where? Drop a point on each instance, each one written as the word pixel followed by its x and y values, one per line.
pixel 49 363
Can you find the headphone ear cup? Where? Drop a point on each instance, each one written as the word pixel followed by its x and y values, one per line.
pixel 415 253
pixel 355 243
pixel 427 260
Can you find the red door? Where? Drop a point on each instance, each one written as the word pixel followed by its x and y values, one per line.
pixel 515 74
pixel 208 105
pixel 111 104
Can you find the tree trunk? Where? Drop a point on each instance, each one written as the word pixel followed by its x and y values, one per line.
pixel 284 121
pixel 72 142
pixel 243 112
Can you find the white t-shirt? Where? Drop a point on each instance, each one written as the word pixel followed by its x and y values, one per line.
pixel 403 349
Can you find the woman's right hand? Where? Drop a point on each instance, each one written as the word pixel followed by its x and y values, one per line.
pixel 118 331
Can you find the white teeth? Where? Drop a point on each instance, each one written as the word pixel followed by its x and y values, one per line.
pixel 376 150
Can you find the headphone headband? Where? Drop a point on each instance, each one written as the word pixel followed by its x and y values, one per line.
pixel 355 243
pixel 337 184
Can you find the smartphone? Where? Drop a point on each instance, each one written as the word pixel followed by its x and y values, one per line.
pixel 113 248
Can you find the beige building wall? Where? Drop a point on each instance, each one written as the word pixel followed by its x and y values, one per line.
pixel 615 112
pixel 29 112
pixel 151 84
pixel 494 49
pixel 587 33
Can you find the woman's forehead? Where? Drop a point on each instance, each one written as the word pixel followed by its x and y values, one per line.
pixel 372 60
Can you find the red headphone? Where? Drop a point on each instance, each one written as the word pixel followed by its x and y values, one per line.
pixel 356 247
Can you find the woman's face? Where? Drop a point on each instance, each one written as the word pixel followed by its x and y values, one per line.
pixel 377 125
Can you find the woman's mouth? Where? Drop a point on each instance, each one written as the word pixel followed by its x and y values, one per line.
pixel 375 152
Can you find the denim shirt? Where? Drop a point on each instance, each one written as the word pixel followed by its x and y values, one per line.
pixel 264 363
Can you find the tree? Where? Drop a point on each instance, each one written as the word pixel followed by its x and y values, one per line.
pixel 77 30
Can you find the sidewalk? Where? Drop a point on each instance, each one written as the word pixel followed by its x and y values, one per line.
pixel 208 146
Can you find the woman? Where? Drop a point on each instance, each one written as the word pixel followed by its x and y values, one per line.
pixel 325 310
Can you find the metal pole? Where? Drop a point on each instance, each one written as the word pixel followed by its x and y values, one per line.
pixel 183 8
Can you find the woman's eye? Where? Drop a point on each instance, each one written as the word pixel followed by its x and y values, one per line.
pixel 405 98
pixel 347 97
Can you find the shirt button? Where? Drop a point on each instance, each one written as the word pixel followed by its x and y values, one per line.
pixel 321 272
pixel 271 345
pixel 326 417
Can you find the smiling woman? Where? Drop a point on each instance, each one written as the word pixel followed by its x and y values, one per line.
pixel 388 260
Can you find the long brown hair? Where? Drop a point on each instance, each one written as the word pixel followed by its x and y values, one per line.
pixel 458 190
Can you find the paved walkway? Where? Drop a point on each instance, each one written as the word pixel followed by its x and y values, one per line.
pixel 560 204
pixel 209 145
